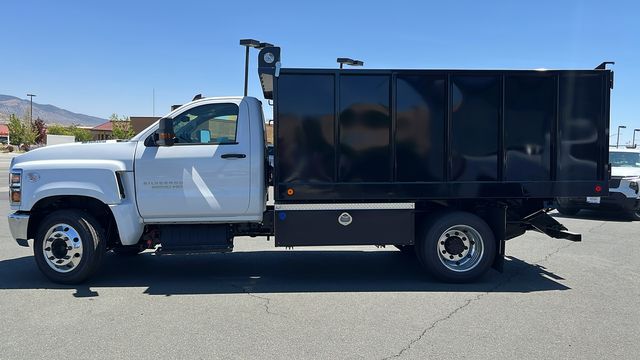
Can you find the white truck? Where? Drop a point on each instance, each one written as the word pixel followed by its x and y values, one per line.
pixel 362 157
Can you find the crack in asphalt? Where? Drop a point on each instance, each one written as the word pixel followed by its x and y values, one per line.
pixel 431 326
pixel 597 227
pixel 266 302
pixel 468 302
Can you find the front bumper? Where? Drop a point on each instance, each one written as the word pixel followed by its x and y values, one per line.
pixel 18 225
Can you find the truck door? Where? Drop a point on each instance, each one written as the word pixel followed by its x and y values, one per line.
pixel 205 176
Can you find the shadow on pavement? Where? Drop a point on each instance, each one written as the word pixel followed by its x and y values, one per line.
pixel 277 272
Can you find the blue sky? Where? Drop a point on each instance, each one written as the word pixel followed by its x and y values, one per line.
pixel 103 57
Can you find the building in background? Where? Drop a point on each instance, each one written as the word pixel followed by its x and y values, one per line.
pixel 103 131
pixel 268 127
pixel 4 134
pixel 139 123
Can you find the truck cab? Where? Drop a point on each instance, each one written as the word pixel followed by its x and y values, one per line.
pixel 213 174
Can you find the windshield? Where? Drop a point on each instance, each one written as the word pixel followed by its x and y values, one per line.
pixel 624 159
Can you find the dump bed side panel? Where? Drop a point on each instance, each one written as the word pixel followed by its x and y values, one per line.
pixel 440 134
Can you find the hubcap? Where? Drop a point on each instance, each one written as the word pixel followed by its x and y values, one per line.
pixel 62 248
pixel 460 248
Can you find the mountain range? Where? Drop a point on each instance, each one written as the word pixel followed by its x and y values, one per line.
pixel 49 113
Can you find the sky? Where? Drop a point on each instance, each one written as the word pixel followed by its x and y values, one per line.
pixel 106 57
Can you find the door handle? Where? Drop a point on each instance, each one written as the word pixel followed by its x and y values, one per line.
pixel 233 156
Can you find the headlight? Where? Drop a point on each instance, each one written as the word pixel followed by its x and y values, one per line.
pixel 634 186
pixel 15 186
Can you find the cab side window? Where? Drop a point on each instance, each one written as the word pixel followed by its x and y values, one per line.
pixel 211 124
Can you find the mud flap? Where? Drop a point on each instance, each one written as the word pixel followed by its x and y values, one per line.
pixel 542 222
pixel 496 217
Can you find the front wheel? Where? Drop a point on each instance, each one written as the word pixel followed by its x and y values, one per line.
pixel 456 247
pixel 69 246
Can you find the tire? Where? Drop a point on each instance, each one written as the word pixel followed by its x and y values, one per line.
pixel 456 247
pixel 406 249
pixel 131 250
pixel 69 246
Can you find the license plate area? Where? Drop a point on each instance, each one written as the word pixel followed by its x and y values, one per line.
pixel 593 199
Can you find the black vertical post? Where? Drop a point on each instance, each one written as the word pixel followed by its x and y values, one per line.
pixel 393 105
pixel 502 153
pixel 246 70
pixel 31 109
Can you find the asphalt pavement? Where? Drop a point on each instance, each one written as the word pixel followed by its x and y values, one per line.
pixel 555 300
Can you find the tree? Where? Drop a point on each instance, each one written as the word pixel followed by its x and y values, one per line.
pixel 58 130
pixel 20 132
pixel 83 135
pixel 121 127
pixel 40 128
pixel 80 134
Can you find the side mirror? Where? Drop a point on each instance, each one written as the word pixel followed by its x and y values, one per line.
pixel 165 135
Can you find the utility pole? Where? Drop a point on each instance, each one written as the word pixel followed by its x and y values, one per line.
pixel 618 140
pixel 31 111
pixel 633 142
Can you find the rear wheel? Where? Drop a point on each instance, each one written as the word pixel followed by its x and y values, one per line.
pixel 456 247
pixel 69 246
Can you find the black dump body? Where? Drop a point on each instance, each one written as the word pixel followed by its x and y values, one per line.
pixel 388 135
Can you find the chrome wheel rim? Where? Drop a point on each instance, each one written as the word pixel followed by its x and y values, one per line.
pixel 460 248
pixel 62 248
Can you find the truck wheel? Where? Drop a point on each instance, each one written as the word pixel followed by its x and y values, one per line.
pixel 69 246
pixel 568 211
pixel 456 247
pixel 406 249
